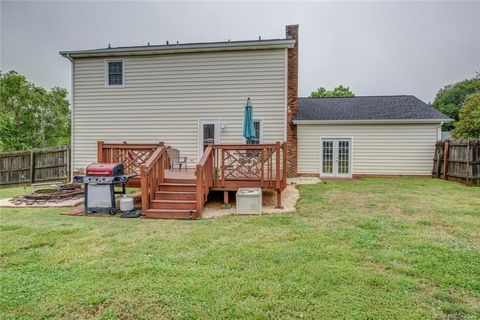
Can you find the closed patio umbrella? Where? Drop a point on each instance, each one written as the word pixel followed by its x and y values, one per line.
pixel 248 127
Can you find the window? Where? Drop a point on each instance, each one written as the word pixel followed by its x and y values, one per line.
pixel 114 73
pixel 257 125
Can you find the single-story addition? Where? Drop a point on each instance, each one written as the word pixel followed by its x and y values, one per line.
pixel 369 135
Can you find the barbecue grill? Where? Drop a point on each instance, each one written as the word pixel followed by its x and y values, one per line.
pixel 99 186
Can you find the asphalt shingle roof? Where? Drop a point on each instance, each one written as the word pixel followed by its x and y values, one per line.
pixel 404 107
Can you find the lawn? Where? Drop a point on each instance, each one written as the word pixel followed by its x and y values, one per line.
pixel 400 248
pixel 15 191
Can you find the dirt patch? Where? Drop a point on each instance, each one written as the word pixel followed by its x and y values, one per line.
pixel 290 197
pixel 7 203
pixel 47 195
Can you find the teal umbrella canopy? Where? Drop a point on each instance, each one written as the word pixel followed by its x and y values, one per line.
pixel 248 128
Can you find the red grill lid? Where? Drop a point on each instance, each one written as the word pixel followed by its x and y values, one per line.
pixel 105 169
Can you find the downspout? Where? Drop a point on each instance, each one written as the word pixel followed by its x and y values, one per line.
pixel 439 131
pixel 71 116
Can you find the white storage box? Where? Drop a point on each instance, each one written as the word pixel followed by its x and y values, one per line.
pixel 249 201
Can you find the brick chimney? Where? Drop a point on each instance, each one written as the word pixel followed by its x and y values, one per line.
pixel 292 100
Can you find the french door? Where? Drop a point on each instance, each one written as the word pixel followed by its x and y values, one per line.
pixel 336 157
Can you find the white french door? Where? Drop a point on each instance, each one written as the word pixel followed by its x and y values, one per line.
pixel 336 157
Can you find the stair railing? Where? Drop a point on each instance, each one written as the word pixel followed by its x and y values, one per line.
pixel 204 178
pixel 152 173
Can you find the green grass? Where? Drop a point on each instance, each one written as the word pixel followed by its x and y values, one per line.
pixel 404 248
pixel 12 192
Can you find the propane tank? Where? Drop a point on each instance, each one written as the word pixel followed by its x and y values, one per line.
pixel 126 203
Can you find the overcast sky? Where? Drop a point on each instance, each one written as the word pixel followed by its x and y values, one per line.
pixel 376 48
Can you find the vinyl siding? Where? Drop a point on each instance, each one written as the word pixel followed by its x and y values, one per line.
pixel 165 96
pixel 403 149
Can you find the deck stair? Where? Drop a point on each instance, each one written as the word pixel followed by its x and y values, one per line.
pixel 175 199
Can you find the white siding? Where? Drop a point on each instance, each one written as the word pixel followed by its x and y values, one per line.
pixel 404 149
pixel 165 96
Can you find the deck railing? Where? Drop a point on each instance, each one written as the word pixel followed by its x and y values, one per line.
pixel 227 167
pixel 152 174
pixel 262 165
pixel 204 178
pixel 131 155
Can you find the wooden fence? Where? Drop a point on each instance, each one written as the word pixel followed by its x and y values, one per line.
pixel 457 160
pixel 32 166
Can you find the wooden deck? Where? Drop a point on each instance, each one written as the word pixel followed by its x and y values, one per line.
pixel 183 174
pixel 182 194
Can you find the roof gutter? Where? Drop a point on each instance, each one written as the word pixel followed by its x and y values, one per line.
pixel 181 48
pixel 372 121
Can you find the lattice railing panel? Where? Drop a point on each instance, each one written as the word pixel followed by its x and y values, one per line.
pixel 247 164
pixel 132 159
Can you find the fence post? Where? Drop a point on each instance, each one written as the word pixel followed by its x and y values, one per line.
pixel 32 167
pixel 445 159
pixel 438 148
pixel 67 164
pixel 468 162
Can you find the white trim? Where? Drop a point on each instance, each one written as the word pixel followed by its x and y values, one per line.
pixel 379 121
pixel 183 48
pixel 201 122
pixel 72 116
pixel 350 156
pixel 107 61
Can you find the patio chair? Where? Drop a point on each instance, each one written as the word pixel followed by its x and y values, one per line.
pixel 175 159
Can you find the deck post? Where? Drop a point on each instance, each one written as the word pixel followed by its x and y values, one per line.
pixel 225 197
pixel 144 190
pixel 100 151
pixel 277 165
pixel 279 200
pixel 223 168
pixel 199 191
pixel 284 169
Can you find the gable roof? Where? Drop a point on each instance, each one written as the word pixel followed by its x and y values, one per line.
pixel 401 108
pixel 182 48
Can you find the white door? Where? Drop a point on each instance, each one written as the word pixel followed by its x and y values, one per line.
pixel 208 132
pixel 336 157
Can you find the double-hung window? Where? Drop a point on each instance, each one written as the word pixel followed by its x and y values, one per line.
pixel 257 125
pixel 114 73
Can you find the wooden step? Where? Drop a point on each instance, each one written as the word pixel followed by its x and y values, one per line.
pixel 175 195
pixel 173 204
pixel 180 180
pixel 170 214
pixel 185 187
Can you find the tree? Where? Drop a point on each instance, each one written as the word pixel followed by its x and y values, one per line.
pixel 339 91
pixel 32 117
pixel 468 126
pixel 450 99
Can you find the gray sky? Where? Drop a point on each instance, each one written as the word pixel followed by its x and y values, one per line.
pixel 374 47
